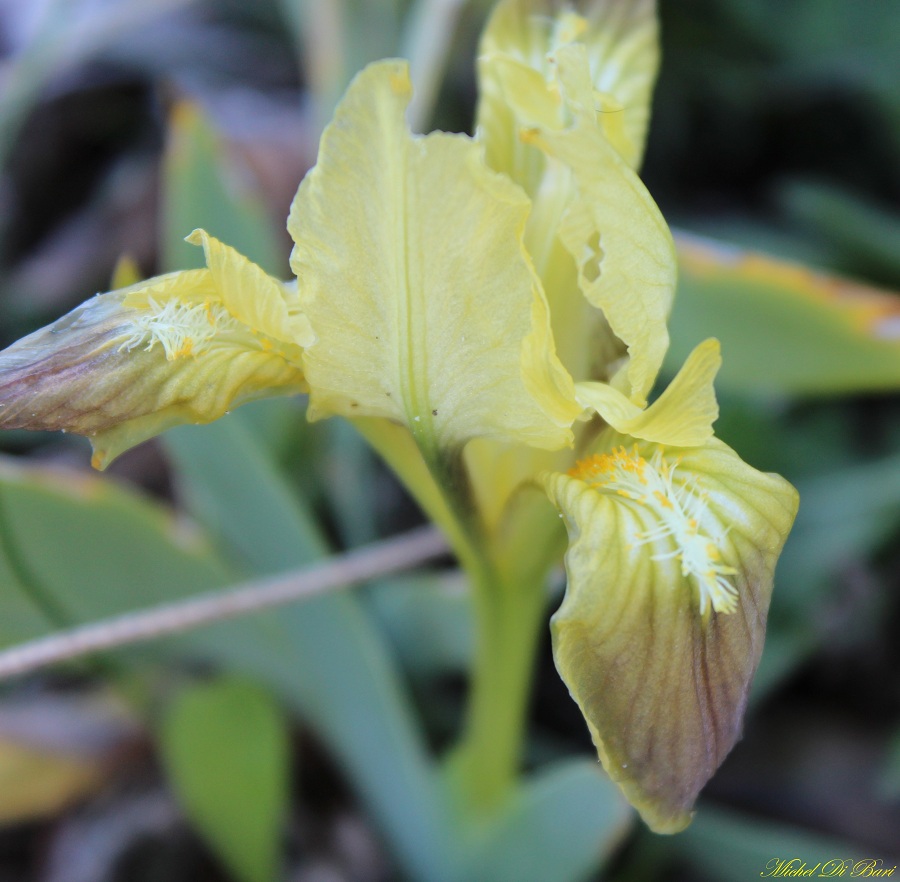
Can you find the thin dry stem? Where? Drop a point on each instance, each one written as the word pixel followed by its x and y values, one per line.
pixel 370 562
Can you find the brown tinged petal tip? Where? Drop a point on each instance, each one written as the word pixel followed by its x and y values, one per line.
pixel 99 372
pixel 670 567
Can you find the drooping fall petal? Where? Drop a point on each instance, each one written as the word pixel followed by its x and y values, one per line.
pixel 414 277
pixel 670 566
pixel 127 365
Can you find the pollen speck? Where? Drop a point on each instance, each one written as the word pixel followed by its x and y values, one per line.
pixel 186 348
pixel 399 84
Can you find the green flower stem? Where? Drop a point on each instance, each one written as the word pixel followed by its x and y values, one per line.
pixel 508 617
pixel 507 610
pixel 508 603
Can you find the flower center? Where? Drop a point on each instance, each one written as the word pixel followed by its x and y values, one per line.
pixel 680 508
pixel 181 329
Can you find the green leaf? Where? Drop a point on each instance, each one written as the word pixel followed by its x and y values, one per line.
pixel 230 483
pixel 24 610
pixel 844 516
pixel 428 619
pixel 731 848
pixel 860 235
pixel 76 549
pixel 889 783
pixel 225 748
pixel 204 188
pixel 783 328
pixel 349 481
pixel 324 658
pixel 562 825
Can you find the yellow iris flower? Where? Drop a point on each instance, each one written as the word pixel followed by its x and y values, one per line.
pixel 491 312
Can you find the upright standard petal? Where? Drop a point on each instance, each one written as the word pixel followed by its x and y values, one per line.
pixel 521 90
pixel 414 277
pixel 670 565
pixel 126 365
pixel 518 80
pixel 614 232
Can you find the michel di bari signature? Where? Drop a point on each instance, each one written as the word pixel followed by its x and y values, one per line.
pixel 794 867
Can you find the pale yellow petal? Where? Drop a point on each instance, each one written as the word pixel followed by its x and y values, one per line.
pixel 620 243
pixel 413 274
pixel 121 373
pixel 189 286
pixel 543 373
pixel 670 568
pixel 250 294
pixel 620 38
pixel 513 96
pixel 682 416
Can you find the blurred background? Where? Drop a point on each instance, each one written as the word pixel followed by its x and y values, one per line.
pixel 126 123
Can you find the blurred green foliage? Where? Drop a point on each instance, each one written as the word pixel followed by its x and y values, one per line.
pixel 225 747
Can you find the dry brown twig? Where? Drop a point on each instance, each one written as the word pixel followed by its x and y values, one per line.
pixel 369 562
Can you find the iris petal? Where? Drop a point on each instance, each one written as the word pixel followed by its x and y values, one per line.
pixel 129 364
pixel 682 416
pixel 670 566
pixel 414 276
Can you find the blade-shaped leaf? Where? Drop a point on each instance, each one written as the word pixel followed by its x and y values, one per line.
pixel 429 622
pixel 225 748
pixel 783 327
pixel 80 549
pixel 859 235
pixel 203 188
pixel 231 484
pixel 324 658
pixel 733 848
pixel 560 826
